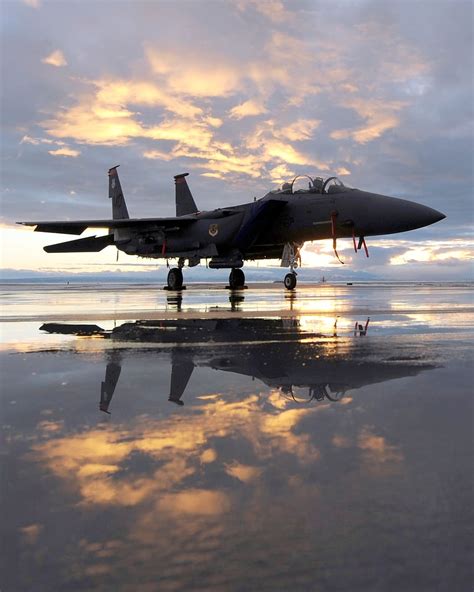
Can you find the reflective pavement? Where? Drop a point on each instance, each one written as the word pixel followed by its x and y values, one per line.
pixel 320 442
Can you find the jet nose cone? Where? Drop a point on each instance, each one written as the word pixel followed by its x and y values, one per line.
pixel 408 215
pixel 436 216
pixel 426 216
pixel 391 214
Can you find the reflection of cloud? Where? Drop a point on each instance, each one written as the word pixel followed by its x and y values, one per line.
pixel 377 450
pixel 208 456
pixel 93 460
pixel 31 533
pixel 281 429
pixel 340 441
pixel 194 501
pixel 243 472
pixel 49 427
pixel 55 58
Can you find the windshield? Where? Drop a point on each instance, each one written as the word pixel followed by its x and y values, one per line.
pixel 335 185
pixel 316 185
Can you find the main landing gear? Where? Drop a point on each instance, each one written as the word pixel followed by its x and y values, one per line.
pixel 236 279
pixel 175 277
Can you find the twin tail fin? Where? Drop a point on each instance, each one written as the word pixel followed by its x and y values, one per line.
pixel 119 207
pixel 185 203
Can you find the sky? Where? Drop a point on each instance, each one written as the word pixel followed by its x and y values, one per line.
pixel 243 95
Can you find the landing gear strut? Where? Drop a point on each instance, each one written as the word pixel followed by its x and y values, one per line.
pixel 290 257
pixel 236 279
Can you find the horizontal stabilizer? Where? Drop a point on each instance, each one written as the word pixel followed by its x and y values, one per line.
pixel 91 244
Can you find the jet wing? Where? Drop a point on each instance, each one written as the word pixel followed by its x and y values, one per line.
pixel 78 226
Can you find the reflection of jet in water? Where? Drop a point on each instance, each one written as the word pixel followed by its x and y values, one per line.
pixel 278 352
pixel 107 387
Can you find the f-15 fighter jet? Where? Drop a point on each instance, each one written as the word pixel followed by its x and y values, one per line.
pixel 273 227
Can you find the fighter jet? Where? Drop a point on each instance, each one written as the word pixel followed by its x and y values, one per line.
pixel 273 227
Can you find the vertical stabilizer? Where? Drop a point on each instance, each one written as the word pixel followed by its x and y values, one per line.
pixel 119 208
pixel 184 200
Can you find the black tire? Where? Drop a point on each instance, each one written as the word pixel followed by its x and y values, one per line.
pixel 175 279
pixel 236 279
pixel 290 281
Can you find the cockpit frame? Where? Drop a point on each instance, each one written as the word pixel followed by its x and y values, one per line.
pixel 316 185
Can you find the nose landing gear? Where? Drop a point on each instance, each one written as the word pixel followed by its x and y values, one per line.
pixel 291 257
pixel 236 279
pixel 290 280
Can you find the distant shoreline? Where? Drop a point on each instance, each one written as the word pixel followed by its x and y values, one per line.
pixel 219 282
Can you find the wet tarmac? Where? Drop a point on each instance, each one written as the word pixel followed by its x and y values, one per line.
pixel 223 441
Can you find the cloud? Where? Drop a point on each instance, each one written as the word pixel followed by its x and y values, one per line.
pixel 64 151
pixel 455 251
pixel 175 113
pixel 281 173
pixel 158 155
pixel 109 114
pixel 301 129
pixel 32 3
pixel 273 10
pixel 197 76
pixel 380 116
pixel 247 109
pixel 254 93
pixel 26 139
pixel 55 58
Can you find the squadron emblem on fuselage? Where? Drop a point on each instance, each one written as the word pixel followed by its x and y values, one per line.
pixel 213 230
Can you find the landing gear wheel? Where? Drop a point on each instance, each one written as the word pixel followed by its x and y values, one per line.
pixel 175 279
pixel 290 281
pixel 236 279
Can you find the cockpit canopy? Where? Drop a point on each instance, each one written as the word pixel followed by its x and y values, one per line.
pixel 316 185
